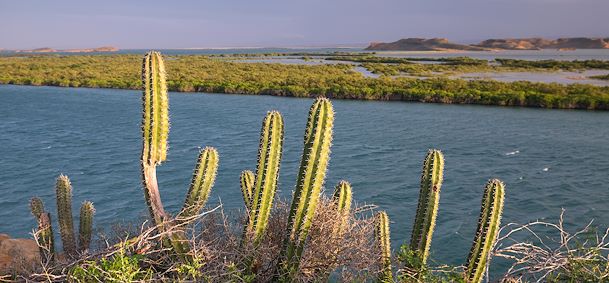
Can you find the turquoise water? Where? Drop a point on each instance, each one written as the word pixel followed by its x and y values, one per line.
pixel 549 159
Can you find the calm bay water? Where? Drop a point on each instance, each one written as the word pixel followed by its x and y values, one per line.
pixel 549 159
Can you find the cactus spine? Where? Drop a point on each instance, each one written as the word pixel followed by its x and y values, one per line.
pixel 247 185
pixel 427 209
pixel 311 175
pixel 155 129
pixel 381 233
pixel 85 227
pixel 486 235
pixel 267 174
pixel 342 199
pixel 202 181
pixel 64 214
pixel 44 232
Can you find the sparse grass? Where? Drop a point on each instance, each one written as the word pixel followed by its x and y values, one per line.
pixel 553 254
pixel 218 255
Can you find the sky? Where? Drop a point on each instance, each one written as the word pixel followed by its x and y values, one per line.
pixel 127 24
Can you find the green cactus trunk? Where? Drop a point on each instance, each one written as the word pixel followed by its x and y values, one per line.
pixel 311 176
pixel 487 232
pixel 202 182
pixel 342 199
pixel 44 231
pixel 381 233
pixel 85 228
pixel 247 184
pixel 64 214
pixel 267 174
pixel 155 130
pixel 427 209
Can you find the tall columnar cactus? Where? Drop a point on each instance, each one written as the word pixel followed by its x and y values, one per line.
pixel 202 181
pixel 247 184
pixel 342 199
pixel 267 174
pixel 155 130
pixel 311 175
pixel 486 235
pixel 85 226
pixel 44 231
pixel 427 209
pixel 381 233
pixel 64 214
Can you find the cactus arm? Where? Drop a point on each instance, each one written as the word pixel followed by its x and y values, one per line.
pixel 487 232
pixel 267 174
pixel 247 184
pixel 427 209
pixel 45 237
pixel 342 199
pixel 155 130
pixel 202 182
pixel 311 175
pixel 64 214
pixel 382 236
pixel 37 207
pixel 44 232
pixel 85 227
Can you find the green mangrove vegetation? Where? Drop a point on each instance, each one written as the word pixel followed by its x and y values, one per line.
pixel 197 73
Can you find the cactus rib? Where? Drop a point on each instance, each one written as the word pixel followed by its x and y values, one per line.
pixel 487 232
pixel 64 214
pixel 267 174
pixel 247 185
pixel 382 235
pixel 427 210
pixel 85 227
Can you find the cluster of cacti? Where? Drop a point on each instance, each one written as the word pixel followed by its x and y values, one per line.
pixel 155 131
pixel 427 209
pixel 259 189
pixel 44 233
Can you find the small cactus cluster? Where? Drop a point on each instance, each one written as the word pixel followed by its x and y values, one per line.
pixel 425 219
pixel 155 131
pixel 44 232
pixel 259 189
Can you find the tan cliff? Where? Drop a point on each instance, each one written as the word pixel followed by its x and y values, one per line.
pixel 541 43
pixel 422 44
pixel 535 43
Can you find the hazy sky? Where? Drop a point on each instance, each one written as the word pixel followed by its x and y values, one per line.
pixel 262 23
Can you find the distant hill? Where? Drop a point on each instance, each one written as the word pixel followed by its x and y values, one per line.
pixel 535 43
pixel 541 43
pixel 49 50
pixel 422 44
